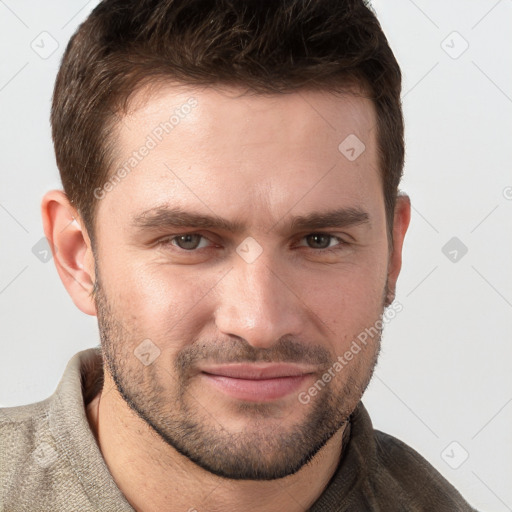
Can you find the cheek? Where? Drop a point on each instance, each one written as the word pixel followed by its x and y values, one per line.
pixel 163 303
pixel 173 305
pixel 346 295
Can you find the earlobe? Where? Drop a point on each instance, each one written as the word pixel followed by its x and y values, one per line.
pixel 401 221
pixel 71 248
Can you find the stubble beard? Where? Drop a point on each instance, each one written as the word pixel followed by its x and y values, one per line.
pixel 265 449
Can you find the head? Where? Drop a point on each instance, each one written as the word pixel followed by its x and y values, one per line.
pixel 233 169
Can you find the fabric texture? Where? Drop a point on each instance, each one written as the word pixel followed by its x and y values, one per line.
pixel 49 460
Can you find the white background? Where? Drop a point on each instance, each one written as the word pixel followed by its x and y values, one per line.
pixel 444 373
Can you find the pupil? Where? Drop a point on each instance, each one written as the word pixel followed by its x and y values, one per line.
pixel 317 240
pixel 188 242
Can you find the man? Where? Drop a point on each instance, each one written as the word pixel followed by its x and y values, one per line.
pixel 231 215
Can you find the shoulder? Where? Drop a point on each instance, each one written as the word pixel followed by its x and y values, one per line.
pixel 379 472
pixel 27 448
pixel 20 429
pixel 23 421
pixel 39 443
pixel 400 468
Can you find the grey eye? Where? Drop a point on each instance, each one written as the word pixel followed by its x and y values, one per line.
pixel 188 242
pixel 319 240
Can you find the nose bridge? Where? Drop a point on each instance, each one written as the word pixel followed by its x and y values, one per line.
pixel 256 303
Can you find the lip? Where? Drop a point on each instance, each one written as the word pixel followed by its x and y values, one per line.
pixel 256 382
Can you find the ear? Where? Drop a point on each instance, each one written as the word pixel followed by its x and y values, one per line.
pixel 401 221
pixel 71 248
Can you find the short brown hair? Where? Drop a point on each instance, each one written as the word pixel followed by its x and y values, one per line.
pixel 275 46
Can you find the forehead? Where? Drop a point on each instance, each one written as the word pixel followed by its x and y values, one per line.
pixel 225 149
pixel 248 117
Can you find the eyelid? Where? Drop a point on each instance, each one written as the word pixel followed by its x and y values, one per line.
pixel 169 239
pixel 340 240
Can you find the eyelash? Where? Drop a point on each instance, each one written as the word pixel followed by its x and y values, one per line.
pixel 168 241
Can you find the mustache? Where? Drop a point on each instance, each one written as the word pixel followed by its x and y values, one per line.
pixel 286 350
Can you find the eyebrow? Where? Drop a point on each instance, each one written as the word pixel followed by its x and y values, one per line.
pixel 162 217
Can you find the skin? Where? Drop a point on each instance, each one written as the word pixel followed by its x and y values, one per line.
pixel 260 161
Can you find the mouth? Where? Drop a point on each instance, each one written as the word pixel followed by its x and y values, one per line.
pixel 257 382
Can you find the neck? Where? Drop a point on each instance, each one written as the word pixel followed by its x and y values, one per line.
pixel 153 476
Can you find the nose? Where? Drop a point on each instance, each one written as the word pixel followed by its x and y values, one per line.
pixel 260 303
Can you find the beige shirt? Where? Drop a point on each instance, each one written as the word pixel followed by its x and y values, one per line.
pixel 49 460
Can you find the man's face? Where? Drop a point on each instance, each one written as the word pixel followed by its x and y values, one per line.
pixel 212 333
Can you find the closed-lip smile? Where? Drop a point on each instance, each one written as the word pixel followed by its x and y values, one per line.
pixel 257 382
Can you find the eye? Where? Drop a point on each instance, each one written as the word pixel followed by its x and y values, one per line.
pixel 188 241
pixel 323 241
